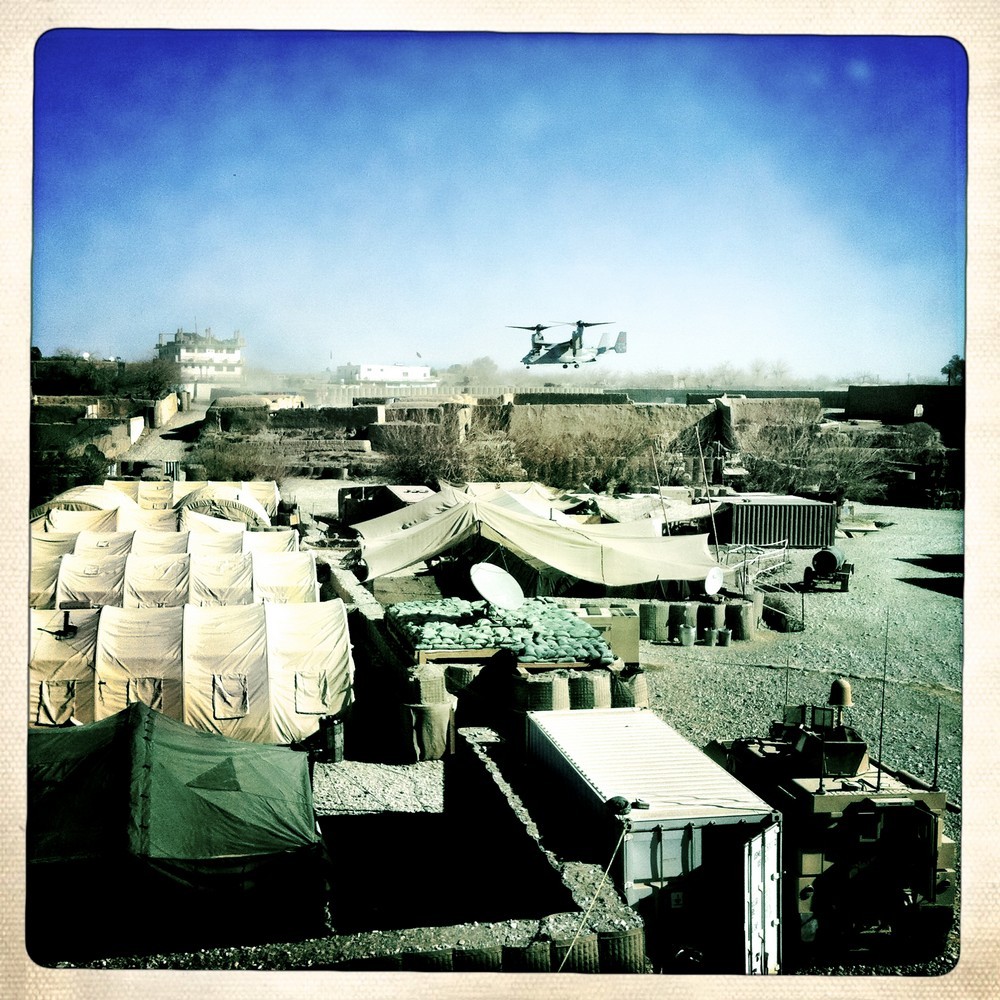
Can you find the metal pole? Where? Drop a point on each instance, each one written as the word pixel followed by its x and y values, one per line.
pixel 704 476
pixel 659 488
pixel 937 747
pixel 881 720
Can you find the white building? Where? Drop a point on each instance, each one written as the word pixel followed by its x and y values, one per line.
pixel 407 374
pixel 206 363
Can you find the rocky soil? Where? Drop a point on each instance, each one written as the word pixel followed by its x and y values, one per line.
pixel 901 620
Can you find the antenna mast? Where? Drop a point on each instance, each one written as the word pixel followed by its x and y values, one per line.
pixel 881 720
pixel 659 489
pixel 937 747
pixel 708 497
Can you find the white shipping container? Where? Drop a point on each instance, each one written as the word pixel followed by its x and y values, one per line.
pixel 696 840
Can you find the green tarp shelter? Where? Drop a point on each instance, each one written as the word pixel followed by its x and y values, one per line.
pixel 138 811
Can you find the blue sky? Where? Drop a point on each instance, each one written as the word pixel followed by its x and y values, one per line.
pixel 345 197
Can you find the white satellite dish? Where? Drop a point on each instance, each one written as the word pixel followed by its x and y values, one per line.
pixel 714 580
pixel 497 586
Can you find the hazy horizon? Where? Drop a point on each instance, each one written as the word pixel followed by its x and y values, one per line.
pixel 794 203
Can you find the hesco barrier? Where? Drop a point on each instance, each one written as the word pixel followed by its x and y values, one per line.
pixel 653 623
pixel 478 959
pixel 710 616
pixel 545 691
pixel 629 689
pixel 576 955
pixel 679 614
pixel 589 689
pixel 428 961
pixel 534 957
pixel 622 951
pixel 739 615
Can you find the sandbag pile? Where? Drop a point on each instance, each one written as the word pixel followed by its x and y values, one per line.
pixel 540 631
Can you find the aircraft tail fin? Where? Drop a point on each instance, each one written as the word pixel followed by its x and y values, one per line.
pixel 619 347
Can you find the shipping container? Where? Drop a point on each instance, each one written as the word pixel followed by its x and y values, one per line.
pixel 765 520
pixel 690 847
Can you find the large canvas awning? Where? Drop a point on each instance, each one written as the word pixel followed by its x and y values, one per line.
pixel 615 556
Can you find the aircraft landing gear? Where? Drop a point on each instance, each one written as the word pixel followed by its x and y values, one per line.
pixel 577 365
pixel 565 366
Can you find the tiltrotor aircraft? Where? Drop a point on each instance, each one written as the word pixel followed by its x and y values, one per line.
pixel 568 352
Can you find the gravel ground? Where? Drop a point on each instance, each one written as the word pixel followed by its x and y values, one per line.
pixel 902 618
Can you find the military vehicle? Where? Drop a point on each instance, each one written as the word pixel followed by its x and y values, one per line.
pixel 868 870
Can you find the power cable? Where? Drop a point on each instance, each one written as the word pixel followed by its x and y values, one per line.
pixel 597 892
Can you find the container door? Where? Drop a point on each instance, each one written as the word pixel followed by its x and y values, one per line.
pixel 762 884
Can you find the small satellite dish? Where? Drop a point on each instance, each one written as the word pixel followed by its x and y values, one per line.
pixel 714 580
pixel 497 586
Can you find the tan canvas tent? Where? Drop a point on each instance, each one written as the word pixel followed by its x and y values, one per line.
pixel 229 502
pixel 128 580
pixel 260 673
pixel 221 579
pixel 103 543
pixel 156 581
pixel 146 542
pixel 150 494
pixel 138 660
pixel 271 541
pixel 90 579
pixel 58 519
pixel 131 518
pixel 61 670
pixel 285 577
pixel 218 575
pixel 46 553
pixel 86 578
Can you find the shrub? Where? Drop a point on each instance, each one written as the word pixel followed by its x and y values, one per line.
pixel 783 613
pixel 233 460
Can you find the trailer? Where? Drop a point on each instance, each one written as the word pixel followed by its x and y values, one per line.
pixel 694 851
pixel 828 566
